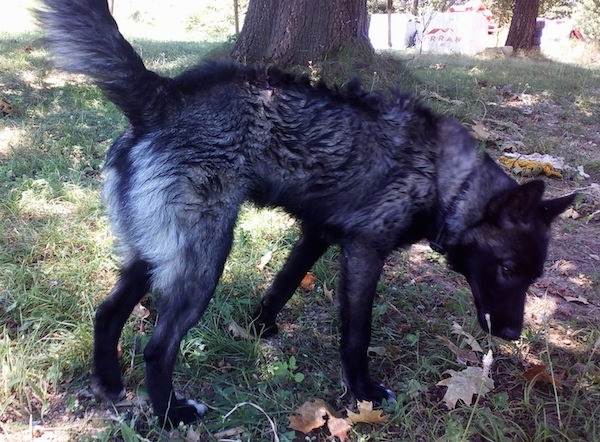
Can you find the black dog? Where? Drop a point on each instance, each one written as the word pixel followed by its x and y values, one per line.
pixel 367 172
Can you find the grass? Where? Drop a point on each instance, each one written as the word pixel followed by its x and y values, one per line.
pixel 57 263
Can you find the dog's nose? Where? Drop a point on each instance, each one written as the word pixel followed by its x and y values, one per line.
pixel 509 333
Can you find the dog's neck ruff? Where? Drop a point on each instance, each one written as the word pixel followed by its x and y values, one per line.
pixel 444 214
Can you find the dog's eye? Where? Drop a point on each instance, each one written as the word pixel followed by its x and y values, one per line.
pixel 506 271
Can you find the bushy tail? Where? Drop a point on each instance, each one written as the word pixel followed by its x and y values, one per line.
pixel 84 38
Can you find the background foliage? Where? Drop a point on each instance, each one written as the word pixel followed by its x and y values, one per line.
pixel 587 18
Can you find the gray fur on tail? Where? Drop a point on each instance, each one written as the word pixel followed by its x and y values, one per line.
pixel 83 38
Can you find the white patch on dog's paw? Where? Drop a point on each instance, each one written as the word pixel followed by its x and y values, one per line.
pixel 201 409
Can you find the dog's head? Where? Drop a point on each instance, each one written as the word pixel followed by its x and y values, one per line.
pixel 505 252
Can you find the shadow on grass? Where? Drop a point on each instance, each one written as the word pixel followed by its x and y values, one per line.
pixel 62 128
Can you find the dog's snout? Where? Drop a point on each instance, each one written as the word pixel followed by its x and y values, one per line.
pixel 500 328
pixel 509 333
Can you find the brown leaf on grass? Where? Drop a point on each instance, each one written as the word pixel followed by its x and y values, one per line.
pixel 563 292
pixel 392 352
pixel 480 132
pixel 308 282
pixel 464 385
pixel 366 414
pixel 316 413
pixel 469 339
pixel 570 213
pixel 538 373
pixel 6 108
pixel 463 355
pixel 579 299
pixel 438 97
pixel 311 415
pixel 238 331
pixel 329 293
pixel 232 433
pixel 339 427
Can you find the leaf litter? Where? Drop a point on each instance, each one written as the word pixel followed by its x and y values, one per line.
pixel 473 381
pixel 316 413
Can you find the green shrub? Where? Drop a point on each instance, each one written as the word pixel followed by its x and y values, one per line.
pixel 587 19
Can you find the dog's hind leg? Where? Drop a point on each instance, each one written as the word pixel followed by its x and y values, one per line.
pixel 186 282
pixel 305 253
pixel 361 268
pixel 110 318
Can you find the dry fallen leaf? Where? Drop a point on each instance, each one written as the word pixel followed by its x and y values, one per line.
pixel 329 293
pixel 311 415
pixel 316 413
pixel 264 260
pixel 238 331
pixel 308 282
pixel 6 107
pixel 391 352
pixel 464 385
pixel 480 132
pixel 141 312
pixel 511 146
pixel 232 433
pixel 339 427
pixel 463 355
pixel 570 213
pixel 471 341
pixel 366 414
pixel 538 373
pixel 579 299
pixel 438 97
pixel 192 435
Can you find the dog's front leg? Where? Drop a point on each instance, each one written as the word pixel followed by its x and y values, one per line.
pixel 361 268
pixel 305 253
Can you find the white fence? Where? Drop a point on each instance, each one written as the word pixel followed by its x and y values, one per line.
pixel 455 32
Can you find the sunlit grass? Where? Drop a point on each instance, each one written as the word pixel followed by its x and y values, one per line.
pixel 57 263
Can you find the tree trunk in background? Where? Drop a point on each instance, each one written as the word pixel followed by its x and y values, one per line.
pixel 299 31
pixel 523 25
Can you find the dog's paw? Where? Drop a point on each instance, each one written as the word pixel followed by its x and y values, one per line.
pixel 107 393
pixel 385 394
pixel 185 411
pixel 263 328
pixel 376 393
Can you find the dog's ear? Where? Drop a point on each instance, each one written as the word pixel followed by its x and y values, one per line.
pixel 517 205
pixel 550 209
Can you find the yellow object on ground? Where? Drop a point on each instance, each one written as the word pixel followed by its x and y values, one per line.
pixel 529 168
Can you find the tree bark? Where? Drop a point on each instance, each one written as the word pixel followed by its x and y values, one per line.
pixel 299 31
pixel 522 29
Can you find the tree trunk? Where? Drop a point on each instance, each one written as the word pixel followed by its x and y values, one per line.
pixel 299 31
pixel 521 35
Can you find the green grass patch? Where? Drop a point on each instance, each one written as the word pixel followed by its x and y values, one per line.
pixel 57 264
